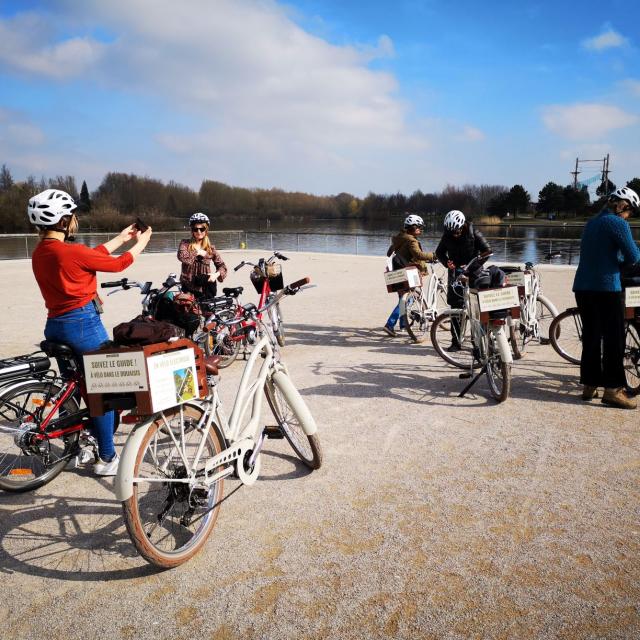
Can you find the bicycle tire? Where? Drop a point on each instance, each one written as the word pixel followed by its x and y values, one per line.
pixel 545 313
pixel 632 357
pixel 223 343
pixel 278 325
pixel 162 536
pixel 442 339
pixel 518 339
pixel 292 414
pixel 416 316
pixel 565 334
pixel 20 472
pixel 498 372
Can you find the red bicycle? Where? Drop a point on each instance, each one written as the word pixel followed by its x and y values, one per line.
pixel 225 340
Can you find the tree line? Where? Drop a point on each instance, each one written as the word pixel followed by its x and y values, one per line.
pixel 120 197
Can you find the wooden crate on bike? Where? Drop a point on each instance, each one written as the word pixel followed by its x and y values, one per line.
pixel 485 301
pixel 631 302
pixel 150 378
pixel 402 279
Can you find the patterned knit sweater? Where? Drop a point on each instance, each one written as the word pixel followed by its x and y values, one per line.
pixel 606 245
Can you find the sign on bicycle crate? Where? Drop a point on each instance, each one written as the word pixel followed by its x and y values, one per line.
pixel 520 279
pixel 154 377
pixel 632 297
pixel 402 279
pixel 496 299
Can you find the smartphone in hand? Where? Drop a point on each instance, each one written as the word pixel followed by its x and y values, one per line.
pixel 140 225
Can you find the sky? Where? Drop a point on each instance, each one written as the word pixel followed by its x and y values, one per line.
pixel 321 96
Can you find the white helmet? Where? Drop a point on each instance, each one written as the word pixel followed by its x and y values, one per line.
pixel 48 207
pixel 198 217
pixel 624 193
pixel 454 220
pixel 413 221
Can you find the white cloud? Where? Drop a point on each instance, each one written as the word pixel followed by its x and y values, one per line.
pixel 608 39
pixel 471 134
pixel 17 131
pixel 27 44
pixel 586 121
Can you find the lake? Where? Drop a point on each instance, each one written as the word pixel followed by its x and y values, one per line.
pixel 360 237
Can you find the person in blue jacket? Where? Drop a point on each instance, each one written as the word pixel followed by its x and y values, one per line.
pixel 606 246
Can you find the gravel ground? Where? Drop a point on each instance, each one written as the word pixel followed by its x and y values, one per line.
pixel 432 517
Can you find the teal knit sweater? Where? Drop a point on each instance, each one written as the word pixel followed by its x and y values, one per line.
pixel 606 245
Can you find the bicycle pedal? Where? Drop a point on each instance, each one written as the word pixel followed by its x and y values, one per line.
pixel 273 432
pixel 464 376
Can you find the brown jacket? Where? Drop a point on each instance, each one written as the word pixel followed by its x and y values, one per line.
pixel 409 249
pixel 194 266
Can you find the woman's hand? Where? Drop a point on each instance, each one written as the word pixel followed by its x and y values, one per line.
pixel 128 233
pixel 212 276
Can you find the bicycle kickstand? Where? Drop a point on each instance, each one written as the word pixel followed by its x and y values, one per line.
pixel 475 379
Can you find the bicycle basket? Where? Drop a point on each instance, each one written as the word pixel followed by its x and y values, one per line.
pixel 274 273
pixel 257 279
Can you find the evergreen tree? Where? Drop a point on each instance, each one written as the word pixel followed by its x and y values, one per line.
pixel 84 204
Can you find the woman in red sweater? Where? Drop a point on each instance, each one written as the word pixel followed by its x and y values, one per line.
pixel 66 275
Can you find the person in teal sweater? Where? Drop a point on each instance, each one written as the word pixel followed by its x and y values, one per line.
pixel 606 246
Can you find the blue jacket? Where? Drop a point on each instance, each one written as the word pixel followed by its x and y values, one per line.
pixel 606 245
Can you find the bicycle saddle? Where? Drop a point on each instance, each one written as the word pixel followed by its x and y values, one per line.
pixel 211 364
pixel 57 349
pixel 234 292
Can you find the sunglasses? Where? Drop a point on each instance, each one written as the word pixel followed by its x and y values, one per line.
pixel 198 229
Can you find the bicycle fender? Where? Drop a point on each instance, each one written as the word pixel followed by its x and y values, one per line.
pixel 124 479
pixel 550 305
pixel 503 346
pixel 297 403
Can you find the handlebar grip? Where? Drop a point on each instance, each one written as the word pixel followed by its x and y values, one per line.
pixel 239 266
pixel 299 283
pixel 117 283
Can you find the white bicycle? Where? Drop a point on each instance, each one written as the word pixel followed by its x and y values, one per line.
pixel 173 465
pixel 421 305
pixel 536 310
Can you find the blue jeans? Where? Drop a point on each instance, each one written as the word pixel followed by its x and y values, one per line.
pixel 393 318
pixel 83 331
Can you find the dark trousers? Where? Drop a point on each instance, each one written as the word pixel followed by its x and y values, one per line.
pixel 603 339
pixel 456 301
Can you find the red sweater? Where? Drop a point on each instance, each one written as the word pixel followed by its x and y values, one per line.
pixel 66 273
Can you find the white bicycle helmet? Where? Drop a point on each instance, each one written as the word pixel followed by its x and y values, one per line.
pixel 454 220
pixel 48 207
pixel 413 220
pixel 198 217
pixel 624 193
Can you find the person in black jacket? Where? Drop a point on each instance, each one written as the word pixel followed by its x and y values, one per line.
pixel 460 243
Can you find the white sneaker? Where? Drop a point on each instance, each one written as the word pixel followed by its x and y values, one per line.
pixel 102 468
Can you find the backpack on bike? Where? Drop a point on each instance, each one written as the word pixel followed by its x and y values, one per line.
pixel 143 330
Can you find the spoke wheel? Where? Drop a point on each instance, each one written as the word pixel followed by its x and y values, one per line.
pixel 632 357
pixel 25 463
pixel 223 341
pixel 416 316
pixel 450 327
pixel 545 313
pixel 565 334
pixel 168 518
pixel 498 372
pixel 293 415
pixel 518 337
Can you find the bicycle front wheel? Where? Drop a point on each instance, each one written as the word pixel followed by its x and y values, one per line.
pixel 451 338
pixel 294 419
pixel 498 371
pixel 545 313
pixel 416 316
pixel 27 462
pixel 223 342
pixel 565 333
pixel 632 357
pixel 518 337
pixel 172 511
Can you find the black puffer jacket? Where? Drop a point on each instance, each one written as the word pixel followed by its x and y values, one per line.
pixel 463 249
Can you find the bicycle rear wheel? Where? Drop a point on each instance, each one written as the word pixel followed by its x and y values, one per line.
pixel 416 316
pixel 172 512
pixel 518 337
pixel 545 313
pixel 293 415
pixel 452 329
pixel 27 463
pixel 632 357
pixel 498 371
pixel 223 341
pixel 565 333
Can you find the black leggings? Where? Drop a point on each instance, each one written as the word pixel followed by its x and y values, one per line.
pixel 603 339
